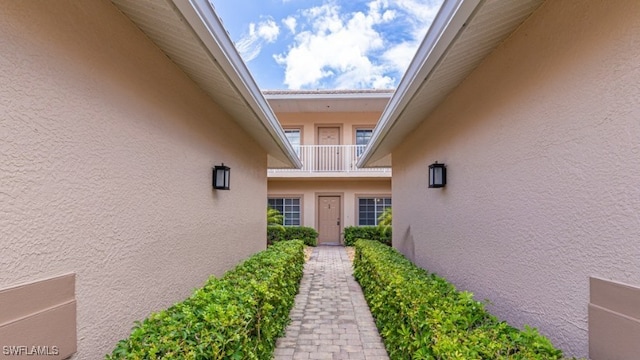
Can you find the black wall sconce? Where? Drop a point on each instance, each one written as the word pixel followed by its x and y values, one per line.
pixel 221 175
pixel 437 175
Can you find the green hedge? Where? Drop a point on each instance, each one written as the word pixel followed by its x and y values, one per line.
pixel 275 233
pixel 353 233
pixel 286 233
pixel 422 316
pixel 238 316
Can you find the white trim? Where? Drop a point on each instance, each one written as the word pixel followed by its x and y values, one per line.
pixel 321 96
pixel 446 27
pixel 206 24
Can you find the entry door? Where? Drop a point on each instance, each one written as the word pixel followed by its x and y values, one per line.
pixel 328 219
pixel 329 155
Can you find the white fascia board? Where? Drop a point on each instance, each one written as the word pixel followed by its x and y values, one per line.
pixel 208 27
pixel 447 25
pixel 325 96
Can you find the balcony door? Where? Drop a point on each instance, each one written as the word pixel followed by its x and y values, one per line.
pixel 328 155
pixel 328 219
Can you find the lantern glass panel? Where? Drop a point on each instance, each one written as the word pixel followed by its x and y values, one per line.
pixel 221 176
pixel 437 175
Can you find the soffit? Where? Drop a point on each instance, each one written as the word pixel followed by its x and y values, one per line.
pixel 204 54
pixel 489 24
pixel 328 101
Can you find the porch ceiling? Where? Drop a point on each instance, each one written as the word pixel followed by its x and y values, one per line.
pixel 463 34
pixel 192 36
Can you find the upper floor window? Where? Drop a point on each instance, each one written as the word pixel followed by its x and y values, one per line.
pixel 293 135
pixel 362 139
pixel 363 136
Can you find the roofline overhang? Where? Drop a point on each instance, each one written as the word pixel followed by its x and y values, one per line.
pixel 446 27
pixel 205 23
pixel 327 96
pixel 297 101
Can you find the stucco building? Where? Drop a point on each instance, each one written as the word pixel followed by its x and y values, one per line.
pixel 329 130
pixel 534 108
pixel 112 116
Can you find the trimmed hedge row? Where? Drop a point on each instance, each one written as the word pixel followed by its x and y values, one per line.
pixel 353 233
pixel 238 316
pixel 277 233
pixel 422 316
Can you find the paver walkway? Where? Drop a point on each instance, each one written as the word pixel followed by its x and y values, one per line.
pixel 330 319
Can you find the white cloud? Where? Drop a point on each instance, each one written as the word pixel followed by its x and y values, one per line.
pixel 290 22
pixel 339 49
pixel 420 14
pixel 389 15
pixel 250 45
pixel 400 55
pixel 268 30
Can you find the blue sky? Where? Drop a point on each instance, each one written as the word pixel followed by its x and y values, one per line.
pixel 327 44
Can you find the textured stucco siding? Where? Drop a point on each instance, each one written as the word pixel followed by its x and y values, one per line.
pixel 106 151
pixel 542 146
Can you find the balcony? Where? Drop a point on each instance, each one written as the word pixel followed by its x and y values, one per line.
pixel 330 161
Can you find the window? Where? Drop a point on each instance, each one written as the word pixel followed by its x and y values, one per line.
pixel 363 136
pixel 289 208
pixel 369 209
pixel 362 139
pixel 293 135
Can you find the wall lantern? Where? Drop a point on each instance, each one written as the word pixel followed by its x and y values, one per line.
pixel 221 177
pixel 437 175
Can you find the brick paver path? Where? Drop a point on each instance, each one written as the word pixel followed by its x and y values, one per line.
pixel 330 319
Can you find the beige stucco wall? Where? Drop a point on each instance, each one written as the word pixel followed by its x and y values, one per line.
pixel 349 190
pixel 542 145
pixel 106 151
pixel 347 121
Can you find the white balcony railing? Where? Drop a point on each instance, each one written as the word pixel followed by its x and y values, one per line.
pixel 329 158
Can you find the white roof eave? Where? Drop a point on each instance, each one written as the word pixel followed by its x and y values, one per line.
pixel 191 34
pixel 207 25
pixel 446 26
pixel 462 35
pixel 321 101
pixel 326 96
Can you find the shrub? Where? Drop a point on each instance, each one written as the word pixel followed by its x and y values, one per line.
pixel 286 233
pixel 274 217
pixel 353 233
pixel 238 316
pixel 422 316
pixel 275 234
pixel 307 234
pixel 384 222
